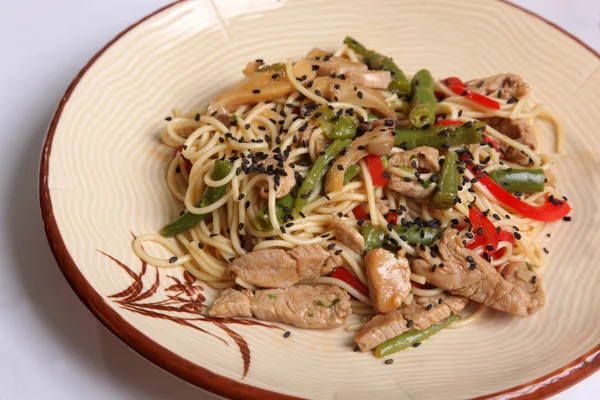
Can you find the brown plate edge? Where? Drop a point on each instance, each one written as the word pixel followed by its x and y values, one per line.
pixel 543 387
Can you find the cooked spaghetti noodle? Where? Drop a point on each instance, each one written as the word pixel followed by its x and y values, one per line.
pixel 286 124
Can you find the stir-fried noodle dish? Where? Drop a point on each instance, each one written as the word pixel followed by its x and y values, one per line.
pixel 334 190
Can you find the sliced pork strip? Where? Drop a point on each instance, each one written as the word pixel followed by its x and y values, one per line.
pixel 348 235
pixel 464 273
pixel 410 317
pixel 304 306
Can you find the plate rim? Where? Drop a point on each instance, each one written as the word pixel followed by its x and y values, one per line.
pixel 545 386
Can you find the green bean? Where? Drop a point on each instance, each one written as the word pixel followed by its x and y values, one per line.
pixel 374 237
pixel 350 173
pixel 440 137
pixel 354 45
pixel 520 179
pixel 447 190
pixel 211 195
pixel 423 103
pixel 262 220
pixel 417 234
pixel 337 127
pixel 409 338
pixel 375 60
pixel 317 172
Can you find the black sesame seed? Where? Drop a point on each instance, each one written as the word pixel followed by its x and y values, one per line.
pixel 200 245
pixel 517 235
pixel 417 344
pixel 168 119
pixel 545 250
pixel 340 167
pixel 389 361
pixel 173 259
pixel 534 279
pixel 409 324
pixel 359 94
pixel 331 246
pixel 287 334
pixel 472 266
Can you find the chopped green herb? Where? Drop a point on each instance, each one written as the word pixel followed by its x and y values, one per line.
pixel 272 296
pixel 333 303
pixel 311 314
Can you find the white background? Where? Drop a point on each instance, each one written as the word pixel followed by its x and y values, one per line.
pixel 50 345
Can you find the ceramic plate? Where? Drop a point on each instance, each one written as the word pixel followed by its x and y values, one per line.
pixel 103 180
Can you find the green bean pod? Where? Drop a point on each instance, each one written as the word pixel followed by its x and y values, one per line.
pixel 447 190
pixel 211 194
pixel 351 172
pixel 262 220
pixel 409 338
pixel 374 237
pixel 440 137
pixel 317 172
pixel 423 103
pixel 520 179
pixel 417 234
pixel 375 60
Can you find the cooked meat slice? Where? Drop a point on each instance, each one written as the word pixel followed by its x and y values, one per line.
pixel 387 326
pixel 309 259
pixel 455 303
pixel 427 158
pixel 305 306
pixel 476 279
pixel 342 90
pixel 348 235
pixel 410 189
pixel 266 268
pixel 334 260
pixel 269 89
pixel 317 54
pixel 382 141
pixel 232 303
pixel 519 130
pixel 252 67
pixel 520 275
pixel 512 85
pixel 278 268
pixel 287 180
pixel 388 277
pixel 382 206
pixel 337 66
pixel 380 328
pixel 372 79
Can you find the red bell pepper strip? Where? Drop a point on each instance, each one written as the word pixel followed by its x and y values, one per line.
pixel 343 275
pixel 375 166
pixel 494 145
pixel 392 218
pixel 488 230
pixel 476 97
pixel 448 122
pixel 453 80
pixel 476 242
pixel 360 213
pixel 549 211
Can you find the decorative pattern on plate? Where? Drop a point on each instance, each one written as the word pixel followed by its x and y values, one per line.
pixel 185 298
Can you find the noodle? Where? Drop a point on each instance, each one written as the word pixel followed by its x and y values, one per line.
pixel 288 131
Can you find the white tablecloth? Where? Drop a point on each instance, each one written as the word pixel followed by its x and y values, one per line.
pixel 50 345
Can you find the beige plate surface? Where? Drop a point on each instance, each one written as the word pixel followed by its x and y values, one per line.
pixel 103 178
